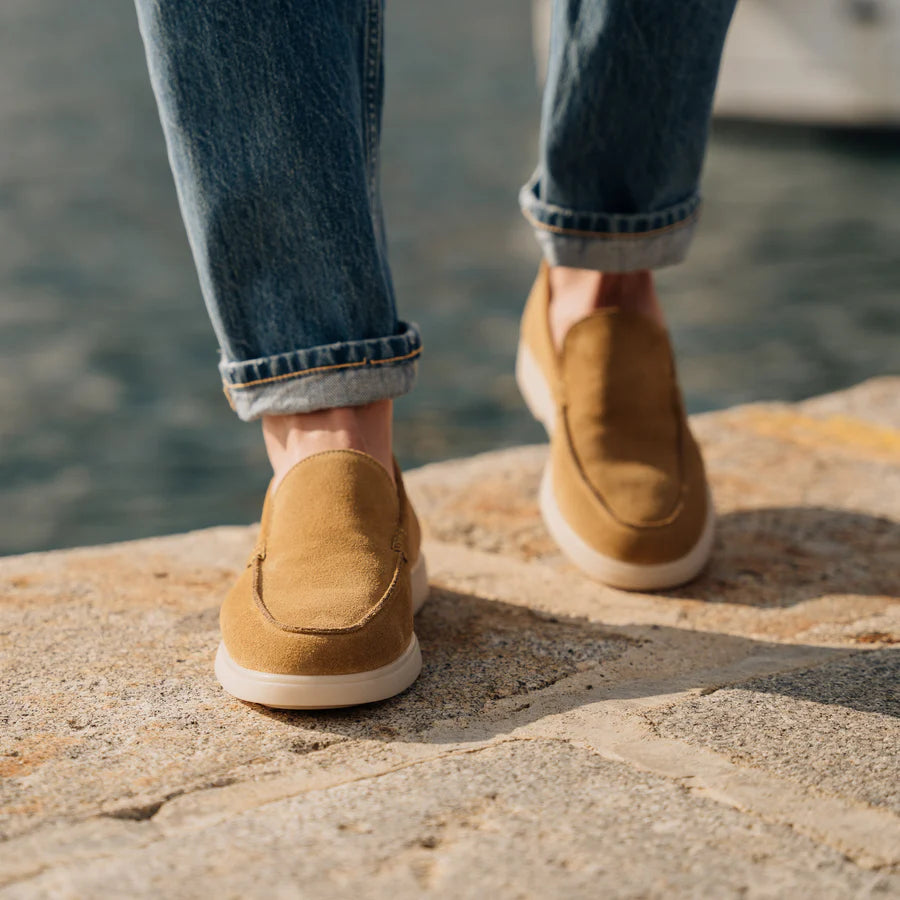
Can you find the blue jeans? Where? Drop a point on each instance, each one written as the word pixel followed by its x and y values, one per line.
pixel 271 111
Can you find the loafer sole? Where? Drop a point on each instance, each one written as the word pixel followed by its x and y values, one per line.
pixel 615 572
pixel 282 691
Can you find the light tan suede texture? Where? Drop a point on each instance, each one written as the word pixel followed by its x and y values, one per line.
pixel 535 331
pixel 627 473
pixel 327 588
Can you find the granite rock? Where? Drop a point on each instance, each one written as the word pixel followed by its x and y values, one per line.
pixel 736 737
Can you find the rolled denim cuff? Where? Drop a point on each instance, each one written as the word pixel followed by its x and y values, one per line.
pixel 345 374
pixel 610 242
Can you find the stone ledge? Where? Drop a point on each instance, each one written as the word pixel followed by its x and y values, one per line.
pixel 739 735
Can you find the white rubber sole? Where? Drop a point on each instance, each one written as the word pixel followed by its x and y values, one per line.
pixel 614 572
pixel 328 691
pixel 534 389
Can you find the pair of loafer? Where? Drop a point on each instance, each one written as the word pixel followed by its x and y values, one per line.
pixel 322 615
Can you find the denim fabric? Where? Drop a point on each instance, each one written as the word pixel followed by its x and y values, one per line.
pixel 347 373
pixel 624 127
pixel 271 111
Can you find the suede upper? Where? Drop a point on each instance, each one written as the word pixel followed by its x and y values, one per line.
pixel 327 588
pixel 627 474
pixel 623 416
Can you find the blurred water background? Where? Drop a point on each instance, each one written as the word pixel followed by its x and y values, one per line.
pixel 112 420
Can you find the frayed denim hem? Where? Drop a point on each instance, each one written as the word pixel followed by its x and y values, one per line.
pixel 345 374
pixel 610 242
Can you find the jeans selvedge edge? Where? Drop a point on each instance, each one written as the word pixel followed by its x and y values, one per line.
pixel 346 374
pixel 611 242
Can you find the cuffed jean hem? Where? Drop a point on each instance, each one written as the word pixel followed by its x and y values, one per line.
pixel 344 374
pixel 610 242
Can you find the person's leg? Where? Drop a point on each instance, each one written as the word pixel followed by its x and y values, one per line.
pixel 624 128
pixel 623 135
pixel 271 112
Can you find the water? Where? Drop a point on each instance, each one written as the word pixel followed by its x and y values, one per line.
pixel 113 421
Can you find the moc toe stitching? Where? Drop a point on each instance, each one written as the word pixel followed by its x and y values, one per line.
pixel 344 629
pixel 607 506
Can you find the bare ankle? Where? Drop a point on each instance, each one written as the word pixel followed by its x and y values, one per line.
pixel 290 439
pixel 576 293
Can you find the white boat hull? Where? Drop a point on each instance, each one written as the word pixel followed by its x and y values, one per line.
pixel 832 62
pixel 813 61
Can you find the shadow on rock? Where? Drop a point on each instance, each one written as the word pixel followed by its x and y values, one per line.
pixel 475 651
pixel 867 681
pixel 776 557
pixel 482 656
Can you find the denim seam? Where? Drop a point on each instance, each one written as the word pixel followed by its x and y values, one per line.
pixel 372 41
pixel 349 365
pixel 610 235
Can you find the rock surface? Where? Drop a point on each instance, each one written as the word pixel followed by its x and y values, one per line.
pixel 737 737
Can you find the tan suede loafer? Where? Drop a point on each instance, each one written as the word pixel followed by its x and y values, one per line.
pixel 624 493
pixel 322 616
